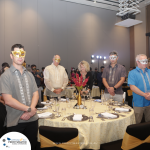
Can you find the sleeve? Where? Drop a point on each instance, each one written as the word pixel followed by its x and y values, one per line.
pixel 104 73
pixel 123 72
pixel 65 82
pixel 47 81
pixel 5 84
pixel 131 78
pixel 34 85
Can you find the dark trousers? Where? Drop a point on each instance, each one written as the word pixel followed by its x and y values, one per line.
pixel 29 129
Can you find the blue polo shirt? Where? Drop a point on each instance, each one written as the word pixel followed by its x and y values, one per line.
pixel 135 78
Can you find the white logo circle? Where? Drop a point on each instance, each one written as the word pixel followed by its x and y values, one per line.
pixel 14 141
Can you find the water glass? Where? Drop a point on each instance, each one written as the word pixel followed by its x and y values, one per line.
pixel 92 103
pixel 116 103
pixel 49 108
pixel 102 99
pixel 57 107
pixel 83 100
pixel 91 111
pixel 63 111
pixel 68 106
pixel 107 104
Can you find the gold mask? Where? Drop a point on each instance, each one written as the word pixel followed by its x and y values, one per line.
pixel 20 53
pixel 57 60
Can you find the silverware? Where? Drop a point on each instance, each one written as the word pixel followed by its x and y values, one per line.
pixel 120 114
pixel 63 119
pixel 91 119
pixel 102 119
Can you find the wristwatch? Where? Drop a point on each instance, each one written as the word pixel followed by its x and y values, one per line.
pixel 29 109
pixel 115 89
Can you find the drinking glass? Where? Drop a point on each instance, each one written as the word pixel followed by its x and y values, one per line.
pixel 57 107
pixel 66 94
pixel 63 111
pixel 83 100
pixel 102 99
pixel 92 103
pixel 49 108
pixel 91 111
pixel 68 106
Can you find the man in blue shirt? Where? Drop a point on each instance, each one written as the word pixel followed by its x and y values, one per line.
pixel 139 81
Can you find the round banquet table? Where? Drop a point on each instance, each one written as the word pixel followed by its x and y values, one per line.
pixel 93 134
pixel 95 91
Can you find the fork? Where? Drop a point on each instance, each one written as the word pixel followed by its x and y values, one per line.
pixel 63 119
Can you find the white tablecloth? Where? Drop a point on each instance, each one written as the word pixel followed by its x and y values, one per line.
pixel 92 134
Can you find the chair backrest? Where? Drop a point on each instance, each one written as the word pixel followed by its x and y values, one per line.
pixel 140 131
pixel 129 92
pixel 135 136
pixel 57 134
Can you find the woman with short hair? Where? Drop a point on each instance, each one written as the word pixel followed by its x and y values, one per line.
pixel 84 71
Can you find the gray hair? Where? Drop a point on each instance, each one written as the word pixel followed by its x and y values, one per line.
pixel 138 56
pixel 113 53
pixel 85 64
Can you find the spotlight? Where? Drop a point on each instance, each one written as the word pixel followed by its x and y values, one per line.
pixel 100 57
pixel 92 56
pixel 93 61
pixel 97 56
pixel 104 62
pixel 104 57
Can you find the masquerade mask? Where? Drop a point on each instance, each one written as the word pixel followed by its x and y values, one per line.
pixel 57 60
pixel 20 53
pixel 143 61
pixel 113 57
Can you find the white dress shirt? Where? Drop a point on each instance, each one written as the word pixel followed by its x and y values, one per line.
pixel 55 77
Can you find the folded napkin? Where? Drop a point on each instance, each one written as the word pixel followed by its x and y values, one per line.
pixel 46 114
pixel 46 103
pixel 63 100
pixel 122 109
pixel 95 86
pixel 77 117
pixel 108 115
pixel 42 108
pixel 97 100
pixel 69 87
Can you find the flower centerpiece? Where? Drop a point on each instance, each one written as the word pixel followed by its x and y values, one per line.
pixel 79 84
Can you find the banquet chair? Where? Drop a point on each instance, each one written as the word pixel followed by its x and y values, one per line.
pixel 137 137
pixel 55 138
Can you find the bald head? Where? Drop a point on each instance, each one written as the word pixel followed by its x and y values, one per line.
pixel 56 60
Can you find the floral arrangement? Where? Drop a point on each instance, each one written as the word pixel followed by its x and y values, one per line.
pixel 79 84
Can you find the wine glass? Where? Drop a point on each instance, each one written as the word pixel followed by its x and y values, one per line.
pixel 57 107
pixel 102 99
pixel 63 110
pixel 68 102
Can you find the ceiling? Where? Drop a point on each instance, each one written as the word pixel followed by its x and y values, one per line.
pixel 106 4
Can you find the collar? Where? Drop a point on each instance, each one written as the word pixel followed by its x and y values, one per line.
pixel 13 69
pixel 140 70
pixel 54 66
pixel 114 66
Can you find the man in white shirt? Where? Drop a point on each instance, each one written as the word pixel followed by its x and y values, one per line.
pixel 55 78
